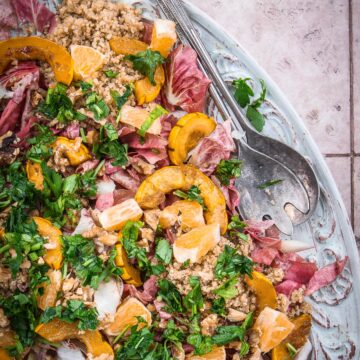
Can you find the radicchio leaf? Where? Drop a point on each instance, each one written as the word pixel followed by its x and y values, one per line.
pixel 185 85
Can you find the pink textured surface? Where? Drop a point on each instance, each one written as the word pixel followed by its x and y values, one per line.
pixel 308 48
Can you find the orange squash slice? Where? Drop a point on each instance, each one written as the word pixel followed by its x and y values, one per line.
pixel 130 274
pixel 51 289
pixel 126 46
pixel 35 174
pixel 74 153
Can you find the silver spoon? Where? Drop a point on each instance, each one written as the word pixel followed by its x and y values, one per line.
pixel 273 148
pixel 257 169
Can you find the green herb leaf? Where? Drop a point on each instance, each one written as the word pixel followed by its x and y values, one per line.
pixel 97 105
pixel 269 183
pixel 243 91
pixel 120 100
pixel 146 63
pixel 202 344
pixel 40 149
pixel 245 348
pixel 163 251
pixel 291 350
pixel 230 263
pixel 154 114
pixel 170 294
pixel 226 334
pixel 218 306
pixel 58 105
pixel 227 170
pixel 111 132
pixel 228 289
pixel 74 311
pixel 173 333
pixel 193 300
pixel 111 74
pixel 256 118
pixel 193 194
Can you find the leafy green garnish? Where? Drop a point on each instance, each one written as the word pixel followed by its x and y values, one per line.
pixel 75 310
pixel 227 170
pixel 245 348
pixel 228 289
pixel 40 149
pixel 163 251
pixel 111 132
pixel 110 147
pixel 218 306
pixel 235 227
pixel 170 294
pixel 89 268
pixel 97 105
pixel 291 350
pixel 58 105
pixel 230 263
pixel 243 92
pixel 193 300
pixel 202 344
pixel 266 184
pixel 111 74
pixel 120 100
pixel 22 313
pixel 146 63
pixel 173 333
pixel 154 114
pixel 226 334
pixel 193 194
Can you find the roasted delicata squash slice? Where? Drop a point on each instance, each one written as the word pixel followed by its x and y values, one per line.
pixel 57 330
pixel 130 274
pixel 36 48
pixel 297 338
pixel 35 175
pixel 152 190
pixel 186 134
pixel 263 289
pixel 7 338
pixel 76 153
pixel 53 256
pixel 126 46
pixel 144 91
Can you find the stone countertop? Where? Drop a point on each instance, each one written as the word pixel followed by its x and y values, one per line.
pixel 312 51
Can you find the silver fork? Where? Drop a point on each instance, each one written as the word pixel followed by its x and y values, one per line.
pixel 258 167
pixel 273 148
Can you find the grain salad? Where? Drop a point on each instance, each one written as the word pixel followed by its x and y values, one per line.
pixel 120 236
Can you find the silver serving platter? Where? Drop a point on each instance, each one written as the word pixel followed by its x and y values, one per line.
pixel 336 313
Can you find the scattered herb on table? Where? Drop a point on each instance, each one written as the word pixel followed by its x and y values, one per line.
pixel 146 63
pixel 227 170
pixel 193 194
pixel 269 183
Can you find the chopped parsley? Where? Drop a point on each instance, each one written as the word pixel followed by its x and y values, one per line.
pixel 291 350
pixel 75 310
pixel 40 149
pixel 243 93
pixel 218 306
pixel 154 114
pixel 245 348
pixel 227 170
pixel 120 100
pixel 170 294
pixel 202 344
pixel 236 227
pixel 193 194
pixel 226 334
pixel 228 289
pixel 58 105
pixel 146 63
pixel 89 268
pixel 97 105
pixel 110 147
pixel 266 184
pixel 230 263
pixel 194 301
pixel 163 251
pixel 111 74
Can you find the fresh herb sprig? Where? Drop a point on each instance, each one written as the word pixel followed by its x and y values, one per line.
pixel 243 94
pixel 227 170
pixel 120 100
pixel 154 114
pixel 193 194
pixel 146 63
pixel 269 183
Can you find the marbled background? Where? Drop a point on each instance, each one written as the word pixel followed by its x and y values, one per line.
pixel 312 50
